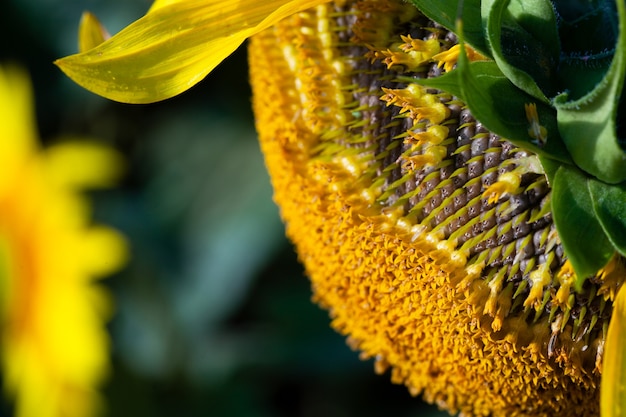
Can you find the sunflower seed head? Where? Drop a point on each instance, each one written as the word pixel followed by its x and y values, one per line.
pixel 399 201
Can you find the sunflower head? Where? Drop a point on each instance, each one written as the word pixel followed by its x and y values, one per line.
pixel 428 237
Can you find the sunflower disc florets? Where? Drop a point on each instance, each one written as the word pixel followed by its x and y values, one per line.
pixel 428 238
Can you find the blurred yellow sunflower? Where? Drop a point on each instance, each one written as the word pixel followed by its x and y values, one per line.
pixel 53 342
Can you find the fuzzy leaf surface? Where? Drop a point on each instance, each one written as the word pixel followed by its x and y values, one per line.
pixel 589 125
pixel 524 41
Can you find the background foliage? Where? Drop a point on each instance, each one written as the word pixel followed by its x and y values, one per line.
pixel 213 313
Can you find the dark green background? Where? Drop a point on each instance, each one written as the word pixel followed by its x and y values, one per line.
pixel 213 313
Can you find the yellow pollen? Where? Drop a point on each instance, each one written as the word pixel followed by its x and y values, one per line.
pixel 417 102
pixel 507 183
pixel 536 130
pixel 448 59
pixel 434 135
pixel 432 156
pixel 566 277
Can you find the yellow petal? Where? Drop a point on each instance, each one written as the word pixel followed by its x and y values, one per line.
pixel 160 3
pixel 91 32
pixel 613 386
pixel 18 136
pixel 173 47
pixel 83 164
pixel 103 240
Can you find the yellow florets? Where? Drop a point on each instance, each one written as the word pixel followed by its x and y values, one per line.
pixel 448 58
pixel 412 54
pixel 507 183
pixel 425 236
pixel 535 130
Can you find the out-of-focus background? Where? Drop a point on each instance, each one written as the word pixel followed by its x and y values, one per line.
pixel 213 313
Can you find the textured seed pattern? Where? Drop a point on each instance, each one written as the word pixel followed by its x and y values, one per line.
pixel 510 237
pixel 427 237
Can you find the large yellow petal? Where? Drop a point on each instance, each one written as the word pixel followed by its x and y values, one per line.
pixel 173 47
pixel 160 3
pixel 613 388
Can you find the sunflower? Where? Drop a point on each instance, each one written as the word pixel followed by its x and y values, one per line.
pixel 53 342
pixel 442 178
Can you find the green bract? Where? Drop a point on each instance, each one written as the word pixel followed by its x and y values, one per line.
pixel 524 41
pixel 567 58
pixel 583 238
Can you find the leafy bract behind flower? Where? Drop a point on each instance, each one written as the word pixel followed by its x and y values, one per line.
pixel 53 344
pixel 568 60
pixel 174 46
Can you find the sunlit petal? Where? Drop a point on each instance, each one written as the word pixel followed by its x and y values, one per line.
pixel 173 47
pixel 161 3
pixel 613 388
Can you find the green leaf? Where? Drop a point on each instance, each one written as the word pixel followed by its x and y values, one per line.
pixel 609 205
pixel 550 167
pixel 589 125
pixel 588 31
pixel 524 40
pixel 613 383
pixel 499 105
pixel 448 82
pixel 446 12
pixel 584 241
pixel 173 47
pixel 581 73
